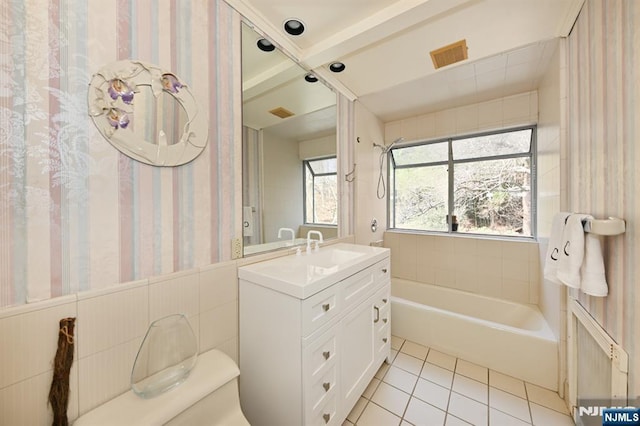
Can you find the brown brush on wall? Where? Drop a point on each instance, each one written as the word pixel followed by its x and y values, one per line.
pixel 59 392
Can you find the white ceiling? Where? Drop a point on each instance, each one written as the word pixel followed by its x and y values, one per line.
pixel 385 46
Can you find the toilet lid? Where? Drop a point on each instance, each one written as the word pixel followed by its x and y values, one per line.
pixel 213 369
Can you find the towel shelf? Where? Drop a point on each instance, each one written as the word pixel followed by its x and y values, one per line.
pixel 611 226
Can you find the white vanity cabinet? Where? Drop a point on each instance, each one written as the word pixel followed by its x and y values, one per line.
pixel 307 356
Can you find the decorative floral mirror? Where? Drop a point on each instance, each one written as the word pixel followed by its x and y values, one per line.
pixel 147 113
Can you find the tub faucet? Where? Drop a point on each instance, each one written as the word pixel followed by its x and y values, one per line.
pixel 293 234
pixel 319 240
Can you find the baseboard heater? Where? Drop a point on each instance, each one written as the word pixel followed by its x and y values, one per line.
pixel 597 366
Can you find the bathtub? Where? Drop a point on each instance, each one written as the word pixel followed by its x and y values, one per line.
pixel 508 337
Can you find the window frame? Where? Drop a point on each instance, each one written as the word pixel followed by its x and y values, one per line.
pixel 305 166
pixel 450 163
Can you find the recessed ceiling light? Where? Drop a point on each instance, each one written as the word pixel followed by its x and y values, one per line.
pixel 311 78
pixel 294 27
pixel 265 45
pixel 337 66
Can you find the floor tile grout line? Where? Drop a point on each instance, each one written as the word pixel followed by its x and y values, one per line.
pixel 526 393
pixel 411 394
pixel 488 399
pixel 511 415
pixel 450 391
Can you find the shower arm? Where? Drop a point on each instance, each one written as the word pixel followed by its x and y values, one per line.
pixel 385 148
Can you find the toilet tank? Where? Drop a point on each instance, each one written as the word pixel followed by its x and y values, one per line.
pixel 209 396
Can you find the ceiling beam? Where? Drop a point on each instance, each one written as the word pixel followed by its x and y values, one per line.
pixel 393 19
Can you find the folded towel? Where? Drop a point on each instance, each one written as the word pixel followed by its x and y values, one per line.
pixel 553 250
pixel 581 264
pixel 594 281
pixel 572 251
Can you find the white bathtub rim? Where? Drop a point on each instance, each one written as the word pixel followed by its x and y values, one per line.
pixel 543 329
pixel 543 333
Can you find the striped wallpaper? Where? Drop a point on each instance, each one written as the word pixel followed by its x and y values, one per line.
pixel 75 213
pixel 603 156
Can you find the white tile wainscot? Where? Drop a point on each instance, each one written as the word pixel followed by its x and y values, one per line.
pixel 314 329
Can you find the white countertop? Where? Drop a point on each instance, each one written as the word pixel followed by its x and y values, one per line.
pixel 304 275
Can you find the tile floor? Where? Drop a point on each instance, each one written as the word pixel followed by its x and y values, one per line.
pixel 425 387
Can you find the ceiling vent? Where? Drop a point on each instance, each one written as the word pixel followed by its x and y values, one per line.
pixel 450 54
pixel 281 112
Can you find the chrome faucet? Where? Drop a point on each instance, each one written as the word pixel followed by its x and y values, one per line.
pixel 319 240
pixel 293 234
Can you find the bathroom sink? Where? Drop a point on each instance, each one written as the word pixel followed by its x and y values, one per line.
pixel 330 258
pixel 304 275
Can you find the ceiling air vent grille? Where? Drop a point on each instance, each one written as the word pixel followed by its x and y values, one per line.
pixel 450 54
pixel 281 112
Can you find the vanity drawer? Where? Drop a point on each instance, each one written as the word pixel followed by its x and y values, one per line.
pixel 382 343
pixel 318 309
pixel 320 355
pixel 326 414
pixel 382 271
pixel 320 389
pixel 357 286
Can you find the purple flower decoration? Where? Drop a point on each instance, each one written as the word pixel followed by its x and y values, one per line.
pixel 117 88
pixel 170 83
pixel 118 118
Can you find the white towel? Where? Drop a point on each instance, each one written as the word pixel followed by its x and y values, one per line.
pixel 594 281
pixel 571 251
pixel 580 264
pixel 553 250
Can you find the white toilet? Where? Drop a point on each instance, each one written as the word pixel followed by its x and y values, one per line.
pixel 209 396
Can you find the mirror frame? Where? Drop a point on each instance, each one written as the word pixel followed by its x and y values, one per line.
pixel 111 96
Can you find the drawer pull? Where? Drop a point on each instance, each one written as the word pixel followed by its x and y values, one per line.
pixel 384 270
pixel 384 320
pixel 326 386
pixel 326 417
pixel 384 300
pixel 326 307
pixel 377 311
pixel 326 354
pixel 384 339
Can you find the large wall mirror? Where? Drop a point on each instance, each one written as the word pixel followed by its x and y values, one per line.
pixel 289 150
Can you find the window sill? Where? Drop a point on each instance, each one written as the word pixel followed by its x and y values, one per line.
pixel 530 239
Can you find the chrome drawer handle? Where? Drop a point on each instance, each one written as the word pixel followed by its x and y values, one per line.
pixel 326 386
pixel 326 354
pixel 326 417
pixel 384 320
pixel 384 339
pixel 384 270
pixel 377 311
pixel 326 307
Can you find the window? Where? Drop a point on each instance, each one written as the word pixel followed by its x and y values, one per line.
pixel 321 191
pixel 483 182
